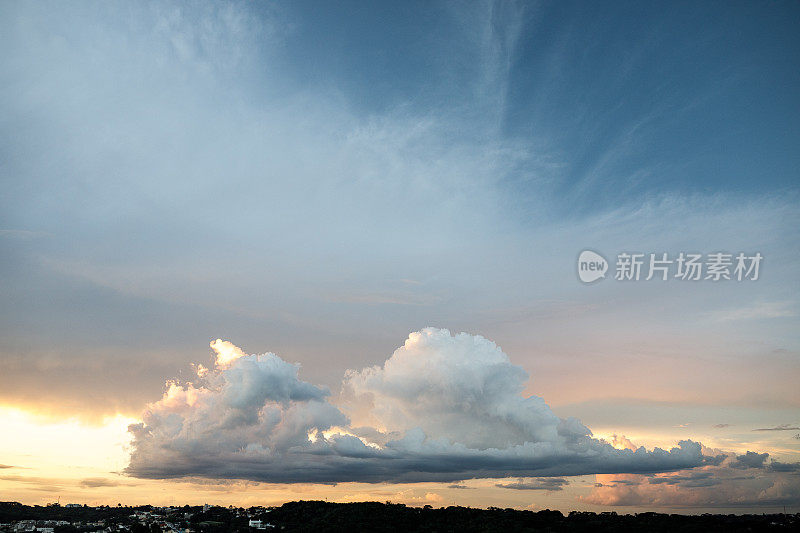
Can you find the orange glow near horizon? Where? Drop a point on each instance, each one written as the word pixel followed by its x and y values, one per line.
pixel 55 444
pixel 43 461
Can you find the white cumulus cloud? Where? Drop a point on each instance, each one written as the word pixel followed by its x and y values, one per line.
pixel 442 408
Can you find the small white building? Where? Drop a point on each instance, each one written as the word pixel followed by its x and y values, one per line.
pixel 25 525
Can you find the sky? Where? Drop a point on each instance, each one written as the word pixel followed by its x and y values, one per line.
pixel 335 243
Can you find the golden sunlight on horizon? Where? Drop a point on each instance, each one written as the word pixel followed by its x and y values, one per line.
pixel 73 461
pixel 31 435
pixel 43 459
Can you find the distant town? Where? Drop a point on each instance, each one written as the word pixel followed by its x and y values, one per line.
pixel 366 516
pixel 73 517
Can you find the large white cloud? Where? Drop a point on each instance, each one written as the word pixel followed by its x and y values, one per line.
pixel 463 388
pixel 442 408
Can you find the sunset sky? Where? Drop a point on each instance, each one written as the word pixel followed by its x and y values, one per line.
pixel 256 252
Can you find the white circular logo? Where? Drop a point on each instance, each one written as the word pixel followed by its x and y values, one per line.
pixel 591 266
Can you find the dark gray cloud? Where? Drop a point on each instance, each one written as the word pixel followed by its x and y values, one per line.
pixel 778 466
pixel 693 479
pixel 746 480
pixel 749 460
pixel 714 460
pixel 94 482
pixel 621 481
pixel 546 483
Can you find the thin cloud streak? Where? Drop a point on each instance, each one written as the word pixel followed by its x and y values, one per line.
pixel 782 427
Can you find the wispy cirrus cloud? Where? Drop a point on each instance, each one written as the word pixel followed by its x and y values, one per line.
pixel 325 202
pixel 782 427
pixel 22 234
pixel 762 310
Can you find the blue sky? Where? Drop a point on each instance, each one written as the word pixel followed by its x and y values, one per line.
pixel 630 99
pixel 319 180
